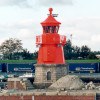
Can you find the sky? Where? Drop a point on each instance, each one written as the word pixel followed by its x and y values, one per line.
pixel 21 19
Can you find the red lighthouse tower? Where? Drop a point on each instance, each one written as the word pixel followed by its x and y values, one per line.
pixel 51 63
pixel 51 43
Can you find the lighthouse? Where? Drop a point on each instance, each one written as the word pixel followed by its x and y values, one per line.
pixel 50 42
pixel 51 63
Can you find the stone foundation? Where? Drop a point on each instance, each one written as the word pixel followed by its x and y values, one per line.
pixel 46 74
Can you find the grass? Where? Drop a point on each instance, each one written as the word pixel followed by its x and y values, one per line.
pixel 34 61
pixel 83 61
pixel 18 61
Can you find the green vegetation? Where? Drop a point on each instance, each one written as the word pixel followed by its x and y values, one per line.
pixel 18 61
pixel 12 51
pixel 34 61
pixel 83 61
pixel 75 52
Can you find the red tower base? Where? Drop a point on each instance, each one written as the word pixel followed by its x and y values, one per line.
pixel 51 54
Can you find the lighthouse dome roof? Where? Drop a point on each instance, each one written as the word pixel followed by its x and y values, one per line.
pixel 50 20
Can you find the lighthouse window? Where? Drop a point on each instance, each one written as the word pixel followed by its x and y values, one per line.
pixel 48 75
pixel 56 28
pixel 50 29
pixel 44 29
pixel 53 29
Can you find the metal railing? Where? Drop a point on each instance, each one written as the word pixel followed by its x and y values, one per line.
pixel 39 39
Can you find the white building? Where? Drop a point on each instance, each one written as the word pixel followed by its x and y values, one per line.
pixel 98 56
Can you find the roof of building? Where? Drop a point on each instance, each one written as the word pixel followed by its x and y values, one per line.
pixel 50 20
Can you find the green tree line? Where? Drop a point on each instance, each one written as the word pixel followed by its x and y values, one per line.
pixel 75 52
pixel 12 49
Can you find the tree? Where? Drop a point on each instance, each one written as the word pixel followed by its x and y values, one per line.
pixel 25 55
pixel 85 50
pixel 10 46
pixel 35 55
pixel 76 52
pixel 68 50
pixel 97 52
pixel 91 56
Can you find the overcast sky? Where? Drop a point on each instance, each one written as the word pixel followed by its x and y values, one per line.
pixel 21 19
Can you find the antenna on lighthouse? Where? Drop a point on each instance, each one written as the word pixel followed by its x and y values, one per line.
pixel 54 15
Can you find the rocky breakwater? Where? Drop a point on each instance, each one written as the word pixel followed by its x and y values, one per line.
pixel 68 82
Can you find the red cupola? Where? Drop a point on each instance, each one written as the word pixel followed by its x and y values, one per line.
pixel 50 42
pixel 50 20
